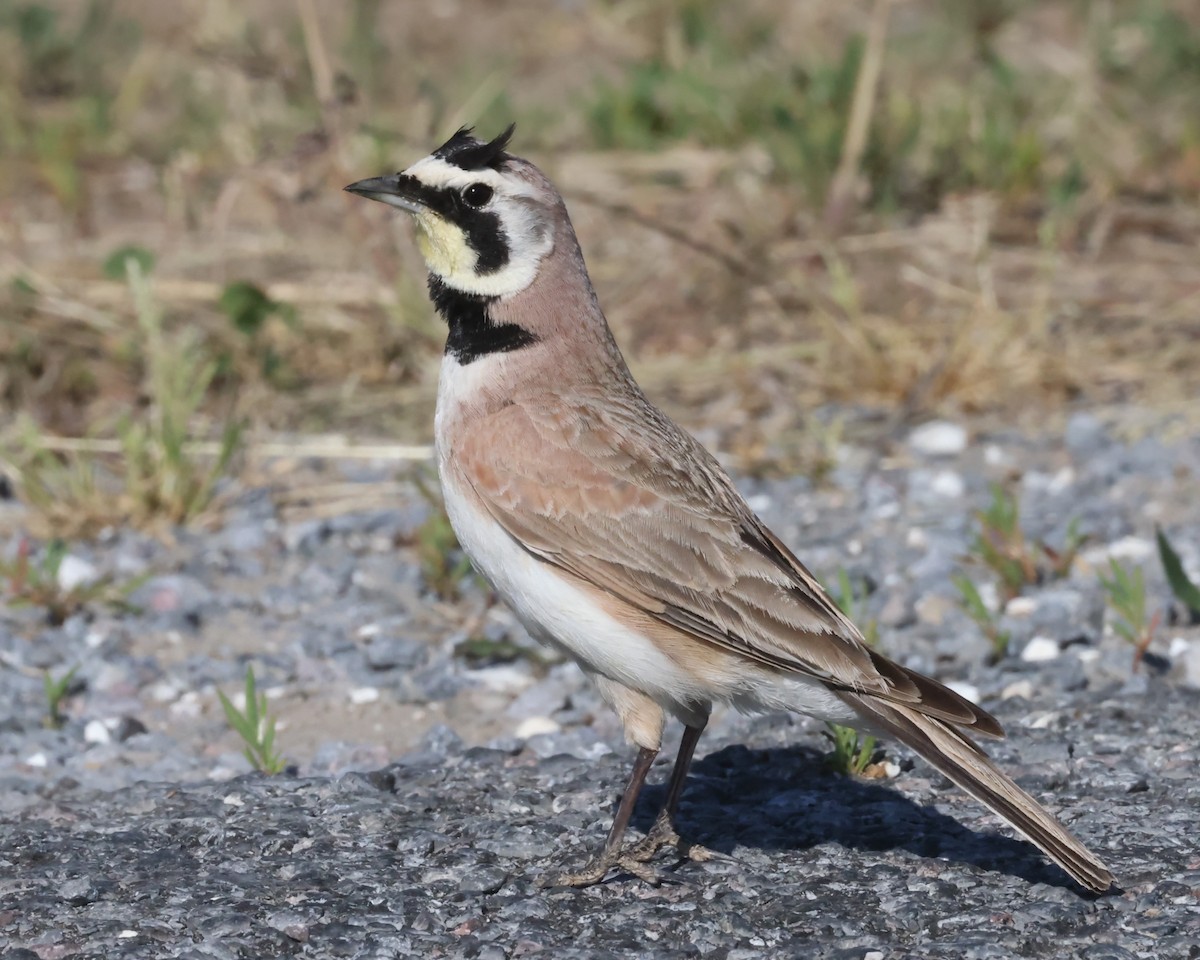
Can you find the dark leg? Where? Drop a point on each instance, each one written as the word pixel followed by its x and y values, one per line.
pixel 637 779
pixel 663 833
pixel 610 855
pixel 683 762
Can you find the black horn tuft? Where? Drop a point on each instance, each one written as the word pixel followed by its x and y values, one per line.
pixel 465 151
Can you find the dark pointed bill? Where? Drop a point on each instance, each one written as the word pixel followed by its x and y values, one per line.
pixel 393 190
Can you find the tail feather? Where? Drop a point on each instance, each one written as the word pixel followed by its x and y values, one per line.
pixel 934 699
pixel 969 767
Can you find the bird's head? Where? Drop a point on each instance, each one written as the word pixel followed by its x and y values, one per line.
pixel 485 219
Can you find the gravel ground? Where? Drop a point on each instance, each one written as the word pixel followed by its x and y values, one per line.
pixel 430 790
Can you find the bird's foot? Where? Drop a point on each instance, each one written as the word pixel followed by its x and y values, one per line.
pixel 663 834
pixel 599 867
pixel 634 858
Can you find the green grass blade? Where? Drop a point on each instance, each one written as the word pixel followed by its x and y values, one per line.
pixel 234 716
pixel 1181 586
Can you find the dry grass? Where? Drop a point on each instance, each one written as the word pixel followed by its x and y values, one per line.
pixel 1021 235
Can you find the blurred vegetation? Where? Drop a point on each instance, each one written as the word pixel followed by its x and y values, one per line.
pixel 28 582
pixel 722 79
pixel 1001 545
pixel 1015 153
pixel 1125 591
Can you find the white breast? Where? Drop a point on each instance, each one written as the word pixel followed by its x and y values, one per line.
pixel 551 608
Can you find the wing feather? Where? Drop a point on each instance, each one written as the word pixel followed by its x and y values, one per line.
pixel 619 496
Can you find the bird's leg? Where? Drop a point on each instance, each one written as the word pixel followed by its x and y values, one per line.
pixel 610 855
pixel 663 833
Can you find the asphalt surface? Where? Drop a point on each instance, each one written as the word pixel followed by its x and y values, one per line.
pixel 430 793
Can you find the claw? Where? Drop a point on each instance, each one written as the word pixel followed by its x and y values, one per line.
pixel 663 834
pixel 633 858
pixel 598 869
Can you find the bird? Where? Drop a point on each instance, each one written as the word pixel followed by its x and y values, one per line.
pixel 617 538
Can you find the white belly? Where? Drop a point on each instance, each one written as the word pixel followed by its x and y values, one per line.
pixel 557 612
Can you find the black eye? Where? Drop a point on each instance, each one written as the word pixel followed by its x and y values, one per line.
pixel 477 194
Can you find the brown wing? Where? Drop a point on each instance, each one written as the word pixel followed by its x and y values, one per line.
pixel 616 494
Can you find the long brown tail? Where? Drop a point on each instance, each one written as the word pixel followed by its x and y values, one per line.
pixel 968 766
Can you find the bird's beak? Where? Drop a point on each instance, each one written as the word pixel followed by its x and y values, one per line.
pixel 390 190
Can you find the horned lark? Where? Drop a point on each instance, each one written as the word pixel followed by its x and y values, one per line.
pixel 615 536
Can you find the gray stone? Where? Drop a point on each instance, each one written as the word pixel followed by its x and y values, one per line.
pixel 388 651
pixel 1084 434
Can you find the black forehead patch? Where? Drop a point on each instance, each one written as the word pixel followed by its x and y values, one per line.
pixel 468 153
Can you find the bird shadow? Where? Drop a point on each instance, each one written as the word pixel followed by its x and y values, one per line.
pixel 785 798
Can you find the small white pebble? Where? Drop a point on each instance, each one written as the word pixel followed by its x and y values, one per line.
pixel 994 456
pixel 504 678
pixel 37 760
pixel 369 630
pixel 188 705
pixel 988 594
pixel 891 768
pixel 164 692
pixel 274 693
pixel 74 572
pixel 233 800
pixel 127 934
pixel 873 955
pixel 948 484
pixel 1127 548
pixel 96 732
pixel 1088 656
pixel 95 638
pixel 1018 688
pixel 854 547
pixel 938 438
pixel 1020 607
pixel 1040 649
pixel 653 935
pixel 1179 646
pixel 1187 665
pixel 968 691
pixel 535 727
pixel 757 942
pixel 1061 481
pixel 933 608
pixel 1039 721
pixel 886 511
pixel 916 538
pixel 361 695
